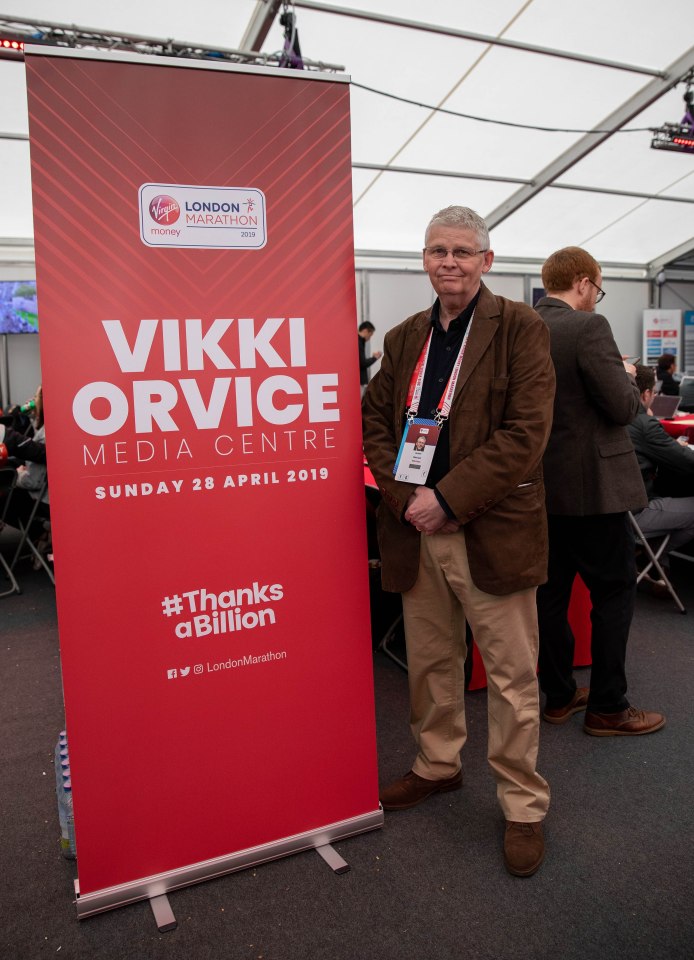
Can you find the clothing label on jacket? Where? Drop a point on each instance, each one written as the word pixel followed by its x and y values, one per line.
pixel 416 451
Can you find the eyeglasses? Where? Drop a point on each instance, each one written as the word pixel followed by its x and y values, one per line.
pixel 601 292
pixel 459 253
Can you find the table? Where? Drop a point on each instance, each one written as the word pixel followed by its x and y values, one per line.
pixel 680 427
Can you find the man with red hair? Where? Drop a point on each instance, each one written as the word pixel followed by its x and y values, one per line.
pixel 592 479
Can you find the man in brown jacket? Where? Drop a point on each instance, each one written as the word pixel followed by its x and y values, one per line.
pixel 469 540
pixel 593 479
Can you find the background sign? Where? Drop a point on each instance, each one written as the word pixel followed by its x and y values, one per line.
pixel 202 413
pixel 688 364
pixel 661 334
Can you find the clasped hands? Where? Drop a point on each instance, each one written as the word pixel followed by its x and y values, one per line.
pixel 426 514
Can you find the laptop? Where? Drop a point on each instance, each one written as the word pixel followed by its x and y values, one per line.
pixel 664 407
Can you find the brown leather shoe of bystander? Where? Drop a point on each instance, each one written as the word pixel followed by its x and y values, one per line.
pixel 524 848
pixel 627 723
pixel 412 789
pixel 656 588
pixel 578 702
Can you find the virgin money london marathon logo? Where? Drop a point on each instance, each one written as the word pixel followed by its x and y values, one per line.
pixel 177 215
pixel 164 209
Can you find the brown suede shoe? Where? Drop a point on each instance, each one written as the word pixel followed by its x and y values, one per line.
pixel 577 703
pixel 627 723
pixel 411 789
pixel 524 848
pixel 656 588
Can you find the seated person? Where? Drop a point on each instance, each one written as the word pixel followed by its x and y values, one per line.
pixel 31 475
pixel 687 395
pixel 19 417
pixel 664 371
pixel 656 449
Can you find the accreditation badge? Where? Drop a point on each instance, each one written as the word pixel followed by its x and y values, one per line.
pixel 416 451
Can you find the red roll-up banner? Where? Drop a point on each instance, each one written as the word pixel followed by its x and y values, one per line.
pixel 195 274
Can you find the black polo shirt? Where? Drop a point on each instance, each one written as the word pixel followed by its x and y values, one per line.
pixel 443 352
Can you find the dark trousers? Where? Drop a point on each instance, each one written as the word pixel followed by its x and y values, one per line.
pixel 601 549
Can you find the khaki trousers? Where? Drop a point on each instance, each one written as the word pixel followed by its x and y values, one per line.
pixel 505 631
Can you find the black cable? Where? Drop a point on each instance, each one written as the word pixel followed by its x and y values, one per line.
pixel 503 123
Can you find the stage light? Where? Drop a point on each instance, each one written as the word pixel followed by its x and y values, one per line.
pixel 678 137
pixel 11 48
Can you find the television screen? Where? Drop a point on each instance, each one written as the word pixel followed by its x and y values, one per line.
pixel 18 310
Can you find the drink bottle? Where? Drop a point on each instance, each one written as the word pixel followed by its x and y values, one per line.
pixel 69 852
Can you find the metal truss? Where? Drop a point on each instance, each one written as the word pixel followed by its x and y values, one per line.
pixel 77 37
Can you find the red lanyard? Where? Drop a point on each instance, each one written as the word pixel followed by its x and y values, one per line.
pixel 414 392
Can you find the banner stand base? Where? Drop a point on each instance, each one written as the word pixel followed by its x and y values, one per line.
pixel 163 914
pixel 156 887
pixel 333 859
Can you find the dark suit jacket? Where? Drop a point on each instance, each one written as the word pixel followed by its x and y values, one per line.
pixel 656 450
pixel 22 447
pixel 364 361
pixel 687 396
pixel 499 424
pixel 590 466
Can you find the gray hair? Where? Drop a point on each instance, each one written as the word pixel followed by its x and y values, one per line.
pixel 464 218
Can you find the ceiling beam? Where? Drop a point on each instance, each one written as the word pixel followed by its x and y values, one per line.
pixel 626 112
pixel 70 36
pixel 17 251
pixel 396 260
pixel 619 193
pixel 475 37
pixel 655 266
pixel 424 171
pixel 259 25
pixel 390 168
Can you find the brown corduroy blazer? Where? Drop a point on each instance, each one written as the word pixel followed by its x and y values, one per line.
pixel 499 424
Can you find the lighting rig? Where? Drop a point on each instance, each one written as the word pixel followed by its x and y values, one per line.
pixel 15 33
pixel 11 45
pixel 678 137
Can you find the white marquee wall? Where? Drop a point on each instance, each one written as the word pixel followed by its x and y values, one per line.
pixel 388 297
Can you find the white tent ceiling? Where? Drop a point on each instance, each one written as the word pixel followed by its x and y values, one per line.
pixel 631 206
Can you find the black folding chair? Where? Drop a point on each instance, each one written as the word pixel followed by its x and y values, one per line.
pixel 7 479
pixel 28 538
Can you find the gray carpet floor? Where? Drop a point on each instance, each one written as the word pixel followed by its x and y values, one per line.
pixel 617 882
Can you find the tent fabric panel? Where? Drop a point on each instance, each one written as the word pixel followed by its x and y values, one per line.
pixel 394 213
pixel 15 190
pixel 475 78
